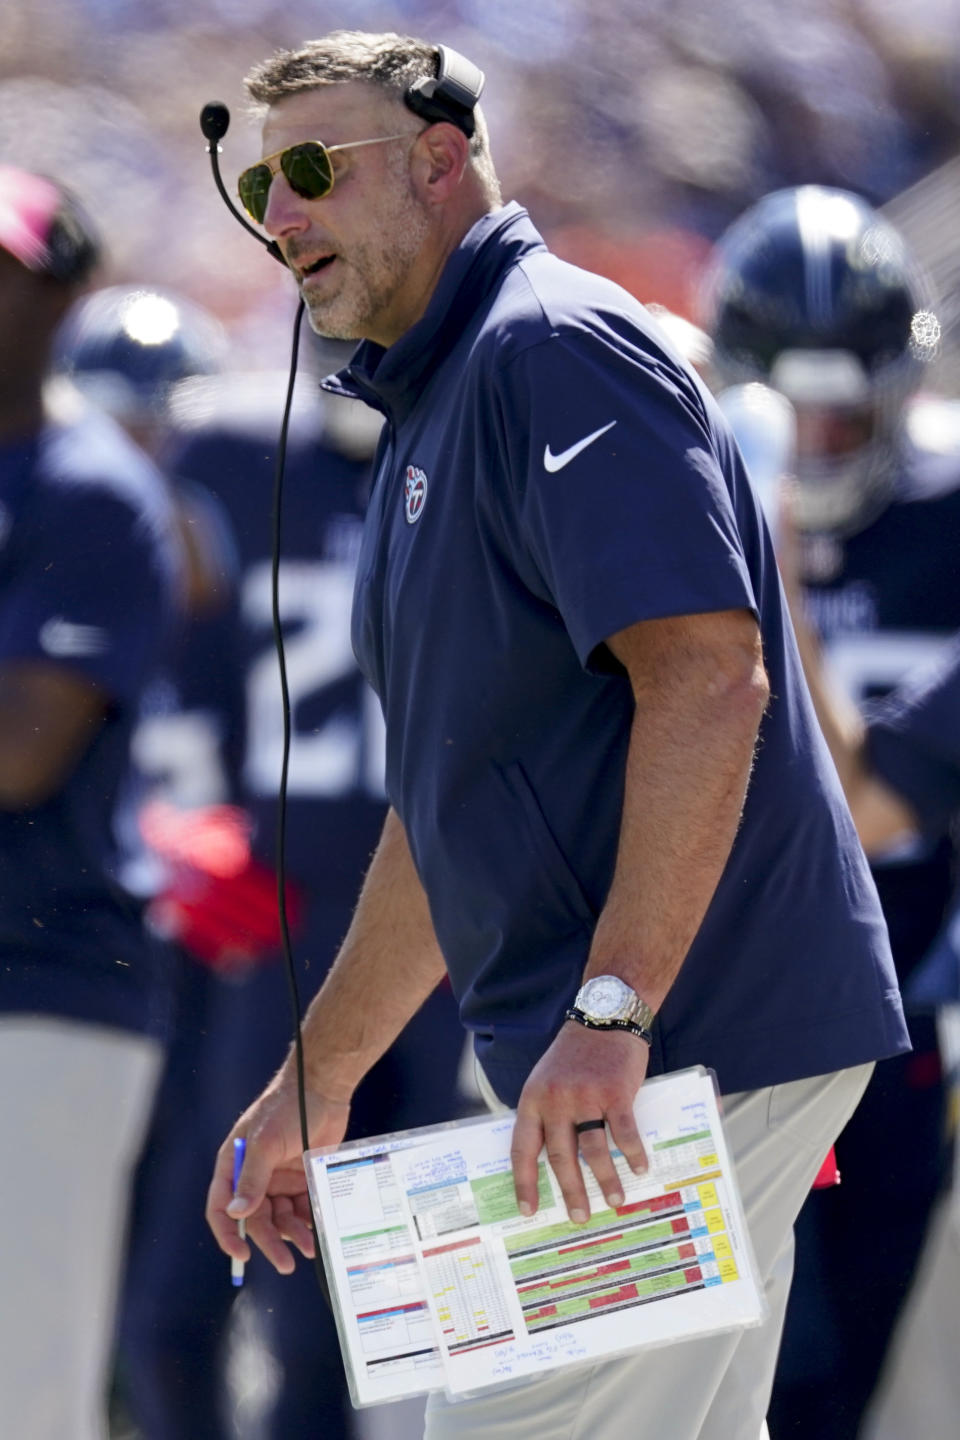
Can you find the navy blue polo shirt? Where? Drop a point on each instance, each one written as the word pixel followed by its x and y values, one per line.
pixel 89 580
pixel 550 474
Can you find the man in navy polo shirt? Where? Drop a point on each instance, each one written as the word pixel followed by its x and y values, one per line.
pixel 612 821
pixel 89 572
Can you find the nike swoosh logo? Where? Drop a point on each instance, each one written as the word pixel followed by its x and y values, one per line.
pixel 552 462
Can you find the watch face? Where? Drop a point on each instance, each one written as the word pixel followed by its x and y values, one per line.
pixel 605 996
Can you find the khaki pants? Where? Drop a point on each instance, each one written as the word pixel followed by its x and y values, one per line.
pixel 712 1389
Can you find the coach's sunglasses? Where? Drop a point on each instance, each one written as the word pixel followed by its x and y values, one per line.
pixel 307 167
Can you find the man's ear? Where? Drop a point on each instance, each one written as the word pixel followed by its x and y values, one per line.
pixel 440 157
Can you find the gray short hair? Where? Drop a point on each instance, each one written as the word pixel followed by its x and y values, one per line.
pixel 391 62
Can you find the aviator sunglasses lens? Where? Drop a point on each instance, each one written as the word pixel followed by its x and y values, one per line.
pixel 254 187
pixel 308 170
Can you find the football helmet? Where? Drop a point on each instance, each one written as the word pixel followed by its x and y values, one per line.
pixel 814 293
pixel 125 348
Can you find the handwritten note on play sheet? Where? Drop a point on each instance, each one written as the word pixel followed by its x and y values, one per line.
pixel 441 1283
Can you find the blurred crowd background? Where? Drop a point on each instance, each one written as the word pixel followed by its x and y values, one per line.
pixel 633 130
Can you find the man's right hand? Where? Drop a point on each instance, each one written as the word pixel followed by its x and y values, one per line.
pixel 388 964
pixel 272 1196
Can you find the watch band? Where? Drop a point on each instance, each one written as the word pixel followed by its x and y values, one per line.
pixel 639 1030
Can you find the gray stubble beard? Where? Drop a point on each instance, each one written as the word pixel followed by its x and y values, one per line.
pixel 412 226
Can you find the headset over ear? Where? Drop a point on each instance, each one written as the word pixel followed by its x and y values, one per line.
pixel 452 95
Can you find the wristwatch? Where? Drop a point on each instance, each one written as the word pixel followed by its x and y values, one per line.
pixel 608 1003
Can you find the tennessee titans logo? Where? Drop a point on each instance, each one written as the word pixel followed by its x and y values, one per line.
pixel 414 493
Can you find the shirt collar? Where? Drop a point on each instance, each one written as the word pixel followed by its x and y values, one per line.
pixel 393 379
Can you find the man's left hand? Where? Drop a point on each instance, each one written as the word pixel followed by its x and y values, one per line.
pixel 585 1075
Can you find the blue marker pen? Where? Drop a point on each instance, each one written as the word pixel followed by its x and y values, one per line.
pixel 239 1150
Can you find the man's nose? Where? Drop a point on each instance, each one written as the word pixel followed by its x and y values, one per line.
pixel 286 212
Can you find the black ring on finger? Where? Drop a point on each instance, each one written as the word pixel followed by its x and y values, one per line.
pixel 589 1125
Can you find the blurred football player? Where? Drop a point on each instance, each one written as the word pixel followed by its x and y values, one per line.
pixel 899 762
pixel 89 588
pixel 813 293
pixel 186 855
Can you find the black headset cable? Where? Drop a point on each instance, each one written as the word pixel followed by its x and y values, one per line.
pixel 281 836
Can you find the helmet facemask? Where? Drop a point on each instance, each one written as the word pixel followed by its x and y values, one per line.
pixel 847 434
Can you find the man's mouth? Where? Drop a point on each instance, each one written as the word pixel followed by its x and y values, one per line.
pixel 317 266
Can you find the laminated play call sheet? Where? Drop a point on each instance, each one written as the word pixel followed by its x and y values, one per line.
pixel 438 1282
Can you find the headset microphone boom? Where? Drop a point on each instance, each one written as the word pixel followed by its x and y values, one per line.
pixel 214 123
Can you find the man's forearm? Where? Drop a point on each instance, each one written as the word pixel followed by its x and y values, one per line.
pixel 48 717
pixel 700 692
pixel 387 966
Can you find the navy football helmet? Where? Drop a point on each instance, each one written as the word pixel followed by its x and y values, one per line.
pixel 126 348
pixel 814 293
